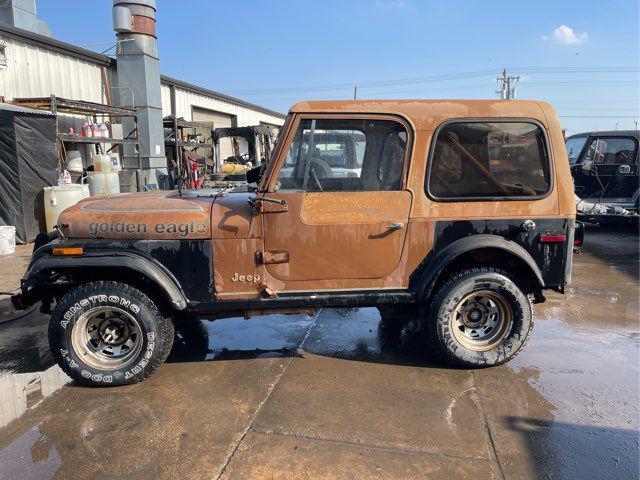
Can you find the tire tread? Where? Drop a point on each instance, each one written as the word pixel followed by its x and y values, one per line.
pixel 165 326
pixel 429 325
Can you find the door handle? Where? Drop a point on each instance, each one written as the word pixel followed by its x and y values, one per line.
pixel 394 227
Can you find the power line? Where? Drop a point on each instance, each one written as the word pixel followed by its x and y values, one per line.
pixel 434 78
pixel 383 83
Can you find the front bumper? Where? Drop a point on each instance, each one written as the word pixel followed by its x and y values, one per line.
pixel 22 301
pixel 30 296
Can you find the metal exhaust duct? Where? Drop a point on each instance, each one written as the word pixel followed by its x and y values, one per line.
pixel 22 14
pixel 134 22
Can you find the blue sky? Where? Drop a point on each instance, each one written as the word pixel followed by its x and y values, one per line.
pixel 276 53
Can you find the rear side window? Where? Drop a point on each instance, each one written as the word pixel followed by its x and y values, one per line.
pixel 474 160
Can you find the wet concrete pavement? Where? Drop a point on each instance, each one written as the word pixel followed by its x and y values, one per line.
pixel 337 397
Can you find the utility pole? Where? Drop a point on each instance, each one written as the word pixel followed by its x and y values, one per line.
pixel 355 92
pixel 507 91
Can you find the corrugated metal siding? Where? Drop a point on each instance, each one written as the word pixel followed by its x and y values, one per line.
pixel 34 71
pixel 185 100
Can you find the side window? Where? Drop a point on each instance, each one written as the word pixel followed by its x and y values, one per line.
pixel 574 147
pixel 488 159
pixel 331 155
pixel 611 151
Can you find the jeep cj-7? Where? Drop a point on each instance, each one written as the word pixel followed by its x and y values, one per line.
pixel 454 214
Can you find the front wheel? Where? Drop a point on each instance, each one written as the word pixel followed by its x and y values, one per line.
pixel 109 333
pixel 479 318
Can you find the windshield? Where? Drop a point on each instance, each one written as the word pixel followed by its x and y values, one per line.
pixel 574 147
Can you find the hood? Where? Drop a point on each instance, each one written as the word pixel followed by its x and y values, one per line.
pixel 151 215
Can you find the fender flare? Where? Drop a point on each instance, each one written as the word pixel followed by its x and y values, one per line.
pixel 154 271
pixel 434 265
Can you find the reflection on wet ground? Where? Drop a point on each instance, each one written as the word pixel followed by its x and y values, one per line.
pixel 342 396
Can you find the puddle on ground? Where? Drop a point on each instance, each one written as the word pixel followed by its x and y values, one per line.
pixel 569 399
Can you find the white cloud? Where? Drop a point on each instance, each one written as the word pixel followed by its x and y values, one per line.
pixel 566 36
pixel 391 3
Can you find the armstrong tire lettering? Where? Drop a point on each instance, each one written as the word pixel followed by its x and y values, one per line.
pixel 156 339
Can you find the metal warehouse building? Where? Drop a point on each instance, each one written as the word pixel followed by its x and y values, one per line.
pixel 33 65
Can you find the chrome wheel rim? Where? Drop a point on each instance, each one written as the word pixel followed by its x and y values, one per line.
pixel 106 338
pixel 481 320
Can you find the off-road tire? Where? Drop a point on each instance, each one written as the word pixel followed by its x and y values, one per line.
pixel 156 333
pixel 437 324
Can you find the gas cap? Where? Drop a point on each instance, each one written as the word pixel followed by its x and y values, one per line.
pixel 528 225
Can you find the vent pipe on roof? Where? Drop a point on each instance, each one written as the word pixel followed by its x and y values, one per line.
pixel 22 14
pixel 134 22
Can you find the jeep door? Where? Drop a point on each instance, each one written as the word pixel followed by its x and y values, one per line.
pixel 343 181
pixel 608 168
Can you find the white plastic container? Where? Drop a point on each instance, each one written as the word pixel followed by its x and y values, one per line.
pixel 57 199
pixel 74 161
pixel 7 239
pixel 103 130
pixel 101 183
pixel 101 163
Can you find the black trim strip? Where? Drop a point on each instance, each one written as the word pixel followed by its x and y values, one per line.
pixel 324 300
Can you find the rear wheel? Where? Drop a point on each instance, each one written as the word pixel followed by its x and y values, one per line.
pixel 109 333
pixel 479 318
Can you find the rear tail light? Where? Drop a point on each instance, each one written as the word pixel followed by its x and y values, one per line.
pixel 553 238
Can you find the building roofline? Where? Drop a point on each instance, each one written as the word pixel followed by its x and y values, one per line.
pixel 217 95
pixel 88 55
pixel 54 44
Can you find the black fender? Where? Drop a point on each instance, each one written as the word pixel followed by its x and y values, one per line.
pixel 107 259
pixel 436 262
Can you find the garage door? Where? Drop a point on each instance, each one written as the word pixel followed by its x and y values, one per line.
pixel 219 120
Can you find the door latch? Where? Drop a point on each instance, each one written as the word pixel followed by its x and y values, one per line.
pixel 394 227
pixel 270 258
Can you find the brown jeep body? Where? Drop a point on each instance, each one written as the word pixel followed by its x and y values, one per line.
pixel 216 252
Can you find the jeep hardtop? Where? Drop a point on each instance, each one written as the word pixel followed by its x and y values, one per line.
pixel 454 214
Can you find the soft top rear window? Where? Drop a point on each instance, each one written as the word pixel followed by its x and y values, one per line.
pixel 488 160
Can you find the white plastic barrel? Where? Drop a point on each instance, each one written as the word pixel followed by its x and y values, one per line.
pixel 7 239
pixel 103 183
pixel 57 199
